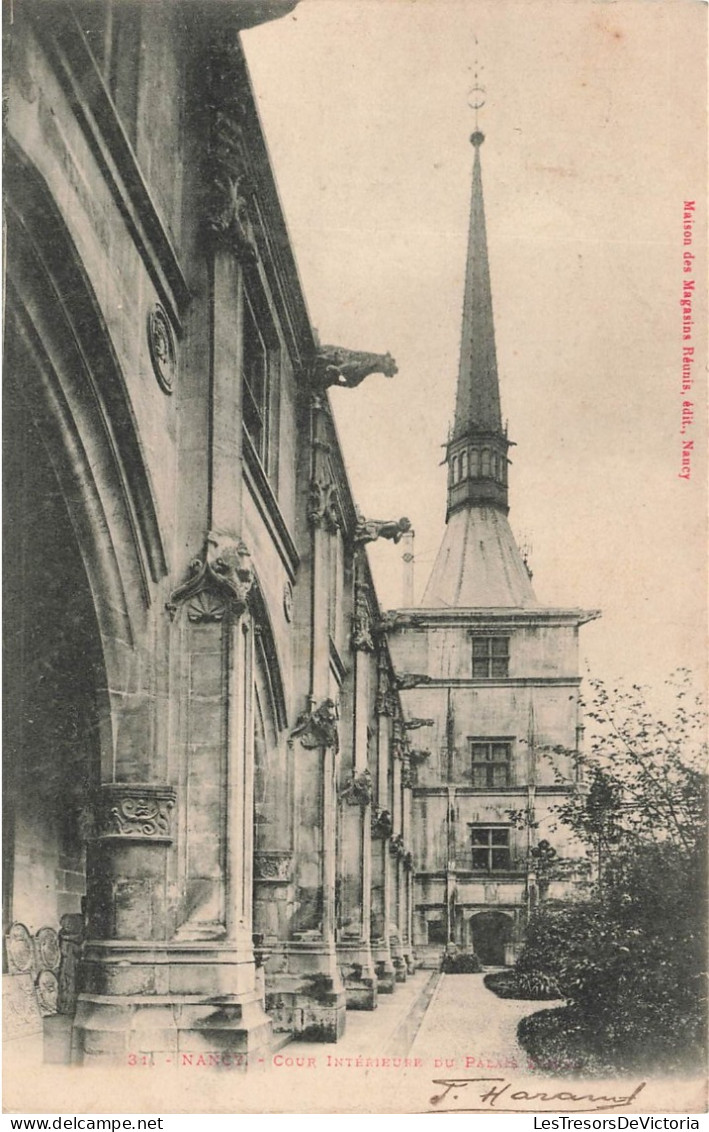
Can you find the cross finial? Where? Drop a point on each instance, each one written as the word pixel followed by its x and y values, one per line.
pixel 476 97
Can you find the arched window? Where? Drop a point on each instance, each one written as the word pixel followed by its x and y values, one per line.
pixel 464 465
pixel 494 465
pixel 486 462
pixel 454 470
pixel 503 470
pixel 474 462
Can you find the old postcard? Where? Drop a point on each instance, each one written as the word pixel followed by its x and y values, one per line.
pixel 355 572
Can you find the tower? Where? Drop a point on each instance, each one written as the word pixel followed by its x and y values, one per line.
pixel 490 676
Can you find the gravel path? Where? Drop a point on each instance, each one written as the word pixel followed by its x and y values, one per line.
pixel 466 1020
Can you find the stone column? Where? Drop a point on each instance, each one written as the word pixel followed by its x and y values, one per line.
pixel 381 829
pixel 169 971
pixel 309 990
pixel 396 851
pixel 355 879
pixel 407 866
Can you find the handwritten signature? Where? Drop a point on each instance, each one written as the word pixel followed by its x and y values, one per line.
pixel 482 1099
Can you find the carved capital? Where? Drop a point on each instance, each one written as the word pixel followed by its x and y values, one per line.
pixel 322 505
pixel 382 824
pixel 273 866
pixel 335 365
pixel 369 530
pixel 219 582
pixel 136 810
pixel 358 791
pixel 318 728
pixel 362 620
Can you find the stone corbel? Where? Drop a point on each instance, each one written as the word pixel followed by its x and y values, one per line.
pixel 219 582
pixel 136 811
pixel 334 365
pixel 318 728
pixel 359 790
pixel 369 530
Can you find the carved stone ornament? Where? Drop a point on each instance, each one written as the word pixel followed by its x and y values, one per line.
pixel 219 582
pixel 406 775
pixel 335 365
pixel 396 844
pixel 227 209
pixel 47 950
pixel 47 991
pixel 139 811
pixel 405 680
pixel 161 344
pixel 382 824
pixel 414 724
pixel 19 949
pixel 318 728
pixel 369 530
pixel 361 620
pixel 408 862
pixel 358 791
pixel 273 866
pixel 322 505
pixel 71 936
pixel 386 702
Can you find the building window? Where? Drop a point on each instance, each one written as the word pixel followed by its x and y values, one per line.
pixel 491 849
pixel 259 393
pixel 474 462
pixel 454 469
pixel 486 462
pixel 491 657
pixel 490 762
pixel 464 466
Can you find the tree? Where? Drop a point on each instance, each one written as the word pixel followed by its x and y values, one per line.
pixel 631 960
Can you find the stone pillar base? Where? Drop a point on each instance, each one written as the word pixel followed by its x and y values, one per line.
pixel 170 1032
pixel 163 1001
pixel 386 976
pixel 358 975
pixel 400 971
pixel 305 995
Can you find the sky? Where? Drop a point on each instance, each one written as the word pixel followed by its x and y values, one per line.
pixel 594 118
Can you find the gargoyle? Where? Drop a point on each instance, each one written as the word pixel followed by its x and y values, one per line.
pixel 334 365
pixel 411 680
pixel 369 530
pixel 318 728
pixel 414 724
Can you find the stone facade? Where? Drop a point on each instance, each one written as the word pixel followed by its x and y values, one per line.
pixel 208 792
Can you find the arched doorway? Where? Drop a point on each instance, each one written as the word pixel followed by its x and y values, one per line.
pixel 490 933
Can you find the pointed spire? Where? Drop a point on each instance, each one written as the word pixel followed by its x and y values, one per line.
pixel 477 451
pixel 478 399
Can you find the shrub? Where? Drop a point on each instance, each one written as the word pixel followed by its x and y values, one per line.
pixel 465 963
pixel 536 986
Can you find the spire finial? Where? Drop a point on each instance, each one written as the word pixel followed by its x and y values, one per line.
pixel 476 98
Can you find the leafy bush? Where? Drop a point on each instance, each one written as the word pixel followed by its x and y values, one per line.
pixel 465 963
pixel 529 985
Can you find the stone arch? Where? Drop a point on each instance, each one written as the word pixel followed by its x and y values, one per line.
pixel 60 359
